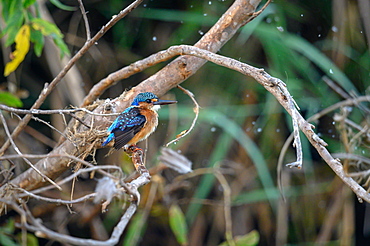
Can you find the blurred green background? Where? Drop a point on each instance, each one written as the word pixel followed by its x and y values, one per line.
pixel 241 128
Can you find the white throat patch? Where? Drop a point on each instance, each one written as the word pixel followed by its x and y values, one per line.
pixel 156 107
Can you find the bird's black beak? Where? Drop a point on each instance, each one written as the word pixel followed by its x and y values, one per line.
pixel 163 102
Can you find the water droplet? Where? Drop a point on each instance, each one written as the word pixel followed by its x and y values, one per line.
pixel 301 15
pixel 179 151
pixel 280 28
pixel 213 129
pixel 210 3
pixel 205 14
pixel 191 6
pixel 154 38
pixel 144 5
pixel 334 29
pixel 331 71
pixel 268 20
pixel 278 130
pixel 259 129
pixel 319 35
pixel 200 32
pixel 253 122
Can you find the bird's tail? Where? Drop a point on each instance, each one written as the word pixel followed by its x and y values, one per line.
pixel 109 138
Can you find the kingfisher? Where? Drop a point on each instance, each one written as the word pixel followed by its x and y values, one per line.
pixel 136 122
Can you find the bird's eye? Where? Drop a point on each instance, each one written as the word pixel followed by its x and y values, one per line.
pixel 148 100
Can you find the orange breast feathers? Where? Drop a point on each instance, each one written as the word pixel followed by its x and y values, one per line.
pixel 149 127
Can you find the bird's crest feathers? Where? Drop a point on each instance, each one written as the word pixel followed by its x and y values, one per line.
pixel 142 97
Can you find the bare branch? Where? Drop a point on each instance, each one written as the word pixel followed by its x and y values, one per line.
pixel 51 111
pixel 20 154
pixel 240 13
pixel 53 200
pixel 48 88
pixel 87 25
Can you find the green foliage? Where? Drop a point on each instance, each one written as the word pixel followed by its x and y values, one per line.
pixel 178 224
pixel 17 14
pixel 62 6
pixel 49 29
pixel 135 230
pixel 7 236
pixel 250 239
pixel 10 100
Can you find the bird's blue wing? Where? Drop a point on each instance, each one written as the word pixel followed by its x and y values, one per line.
pixel 124 128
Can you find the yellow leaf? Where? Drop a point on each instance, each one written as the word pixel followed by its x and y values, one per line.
pixel 22 46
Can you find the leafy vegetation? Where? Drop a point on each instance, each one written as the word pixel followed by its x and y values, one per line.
pixel 241 128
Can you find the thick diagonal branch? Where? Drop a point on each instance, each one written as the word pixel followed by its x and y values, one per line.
pixel 171 75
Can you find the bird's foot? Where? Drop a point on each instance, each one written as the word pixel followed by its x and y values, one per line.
pixel 132 149
pixel 137 154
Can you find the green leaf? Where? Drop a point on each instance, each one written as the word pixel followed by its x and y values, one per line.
pixel 136 229
pixel 38 40
pixel 250 239
pixel 49 29
pixel 12 27
pixel 6 240
pixel 62 46
pixel 31 239
pixel 8 228
pixel 27 3
pixel 321 60
pixel 10 100
pixel 63 6
pixel 46 27
pixel 13 6
pixel 10 225
pixel 178 224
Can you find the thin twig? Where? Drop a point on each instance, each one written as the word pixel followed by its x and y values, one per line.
pixel 87 25
pixel 227 207
pixel 53 200
pixel 196 111
pixel 48 88
pixel 20 153
pixel 76 174
pixel 37 226
pixel 74 158
pixel 52 111
pixel 239 14
pixel 42 231
pixel 348 102
pixel 53 128
pixel 257 13
pixel 336 87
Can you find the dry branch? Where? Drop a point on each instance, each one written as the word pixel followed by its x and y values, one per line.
pixel 171 75
pixel 48 88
